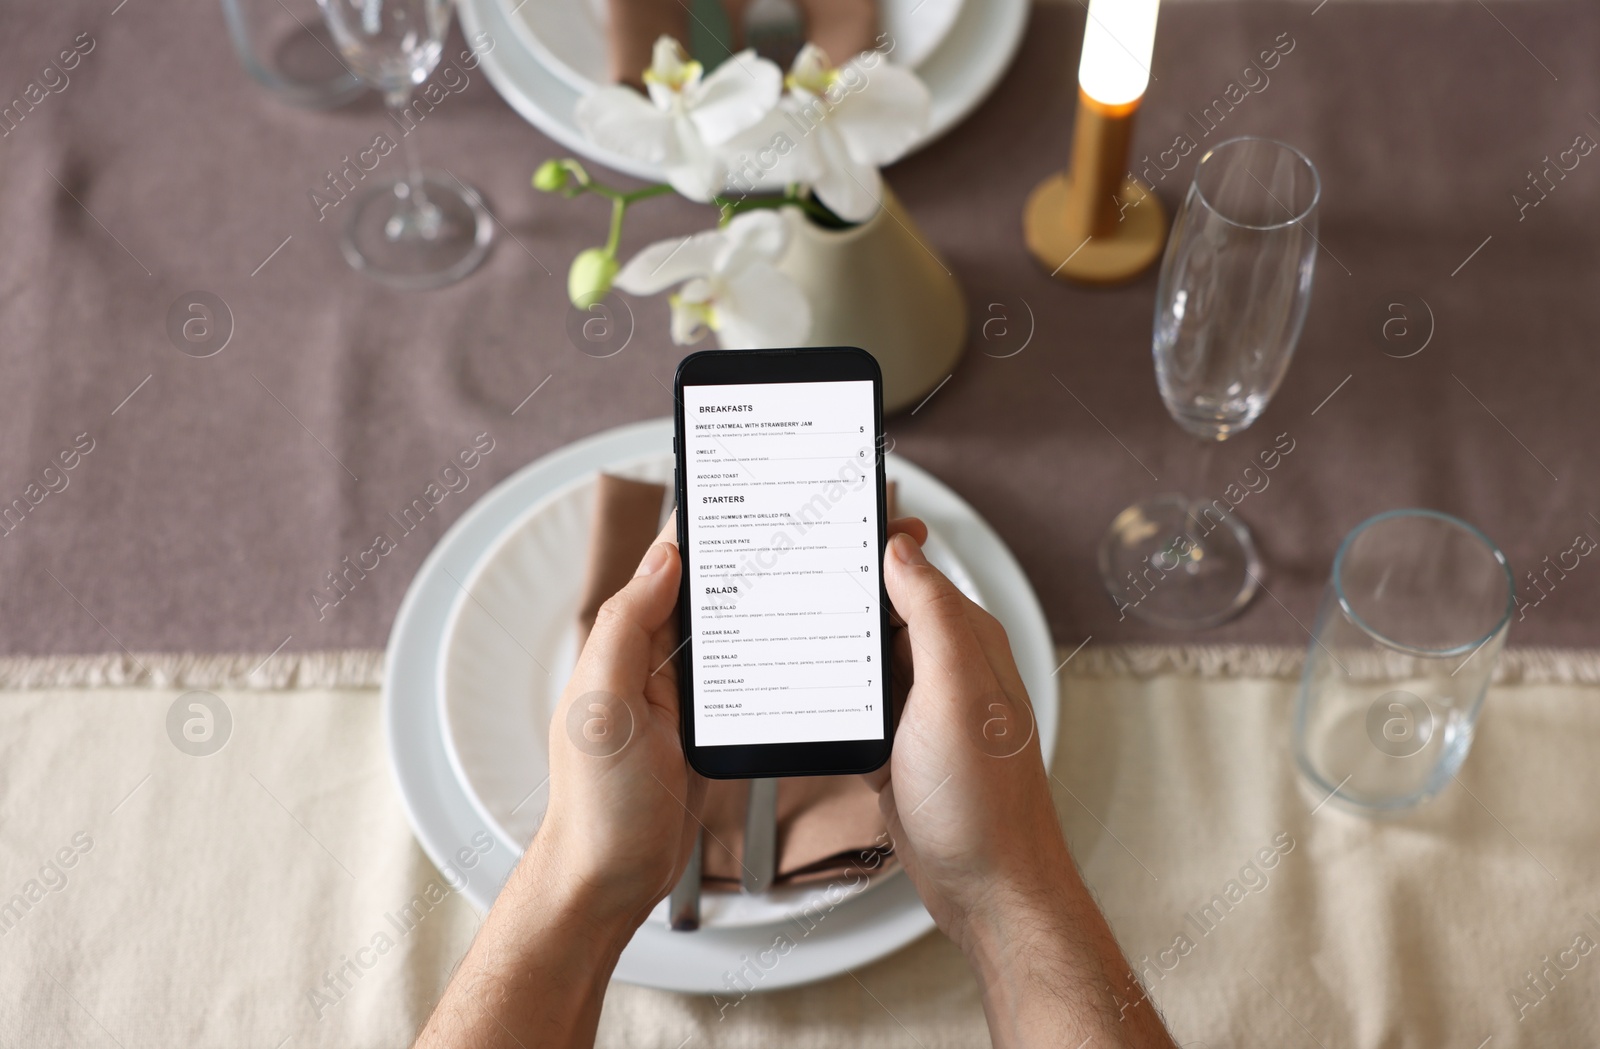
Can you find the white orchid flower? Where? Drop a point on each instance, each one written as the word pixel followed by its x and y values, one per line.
pixel 852 120
pixel 687 116
pixel 731 284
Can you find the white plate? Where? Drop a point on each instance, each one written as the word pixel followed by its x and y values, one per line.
pixel 569 36
pixel 960 73
pixel 857 931
pixel 510 644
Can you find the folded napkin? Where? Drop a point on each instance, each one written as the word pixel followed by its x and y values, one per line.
pixel 826 824
pixel 842 28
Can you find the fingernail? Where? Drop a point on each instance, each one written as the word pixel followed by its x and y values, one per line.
pixel 654 560
pixel 906 550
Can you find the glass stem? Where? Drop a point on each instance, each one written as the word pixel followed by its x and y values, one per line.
pixel 413 199
pixel 1197 503
pixel 1202 479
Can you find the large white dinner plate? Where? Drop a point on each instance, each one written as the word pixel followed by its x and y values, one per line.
pixel 569 36
pixel 960 73
pixel 459 841
pixel 510 644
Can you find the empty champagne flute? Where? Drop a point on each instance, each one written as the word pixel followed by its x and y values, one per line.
pixel 1234 289
pixel 414 230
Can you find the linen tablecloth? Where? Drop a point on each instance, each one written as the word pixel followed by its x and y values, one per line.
pixel 236 899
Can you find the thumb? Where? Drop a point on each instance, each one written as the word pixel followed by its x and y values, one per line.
pixel 615 659
pixel 943 643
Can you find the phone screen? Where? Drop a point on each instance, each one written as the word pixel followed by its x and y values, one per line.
pixel 781 506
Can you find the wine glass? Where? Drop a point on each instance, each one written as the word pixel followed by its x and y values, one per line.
pixel 1235 285
pixel 414 230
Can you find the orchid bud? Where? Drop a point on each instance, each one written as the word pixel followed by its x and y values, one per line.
pixel 590 277
pixel 551 176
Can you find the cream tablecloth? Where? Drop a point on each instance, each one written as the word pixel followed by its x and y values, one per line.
pixel 235 899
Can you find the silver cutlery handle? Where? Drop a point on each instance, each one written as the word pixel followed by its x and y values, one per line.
pixel 683 906
pixel 761 837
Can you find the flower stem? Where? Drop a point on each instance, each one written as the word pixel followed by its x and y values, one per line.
pixel 619 207
pixel 794 194
pixel 816 211
pixel 646 193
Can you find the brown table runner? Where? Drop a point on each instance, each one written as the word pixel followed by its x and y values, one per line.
pixel 218 493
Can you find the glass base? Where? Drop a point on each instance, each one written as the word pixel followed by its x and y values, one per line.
pixel 1163 565
pixel 418 248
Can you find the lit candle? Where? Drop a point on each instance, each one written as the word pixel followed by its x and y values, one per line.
pixel 1118 41
pixel 1078 223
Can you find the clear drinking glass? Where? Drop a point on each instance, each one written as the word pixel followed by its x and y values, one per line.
pixel 285 47
pixel 1411 624
pixel 1235 285
pixel 413 230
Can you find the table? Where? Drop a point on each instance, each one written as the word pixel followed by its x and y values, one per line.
pixel 218 899
pixel 219 496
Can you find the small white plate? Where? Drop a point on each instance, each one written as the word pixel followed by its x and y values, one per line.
pixel 973 54
pixel 569 36
pixel 509 649
pixel 855 932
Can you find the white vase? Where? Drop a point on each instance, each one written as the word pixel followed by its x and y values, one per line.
pixel 881 286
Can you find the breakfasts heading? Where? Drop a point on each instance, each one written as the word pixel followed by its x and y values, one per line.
pixel 726 408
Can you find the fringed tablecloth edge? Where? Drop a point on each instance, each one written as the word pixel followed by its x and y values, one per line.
pixel 282 671
pixel 1281 662
pixel 363 668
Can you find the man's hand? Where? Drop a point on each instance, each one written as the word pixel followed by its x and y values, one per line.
pixel 967 800
pixel 615 837
pixel 965 795
pixel 622 800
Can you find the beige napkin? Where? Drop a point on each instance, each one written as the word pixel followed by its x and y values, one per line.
pixel 826 824
pixel 842 28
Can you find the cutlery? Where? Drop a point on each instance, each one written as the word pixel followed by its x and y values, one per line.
pixel 761 836
pixel 683 906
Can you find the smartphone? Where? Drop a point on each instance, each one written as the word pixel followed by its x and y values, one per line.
pixel 781 526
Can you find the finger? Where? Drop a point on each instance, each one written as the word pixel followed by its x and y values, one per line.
pixel 917 529
pixel 669 531
pixel 616 658
pixel 943 644
pixel 902 670
pixel 902 679
pixel 664 643
pixel 912 526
